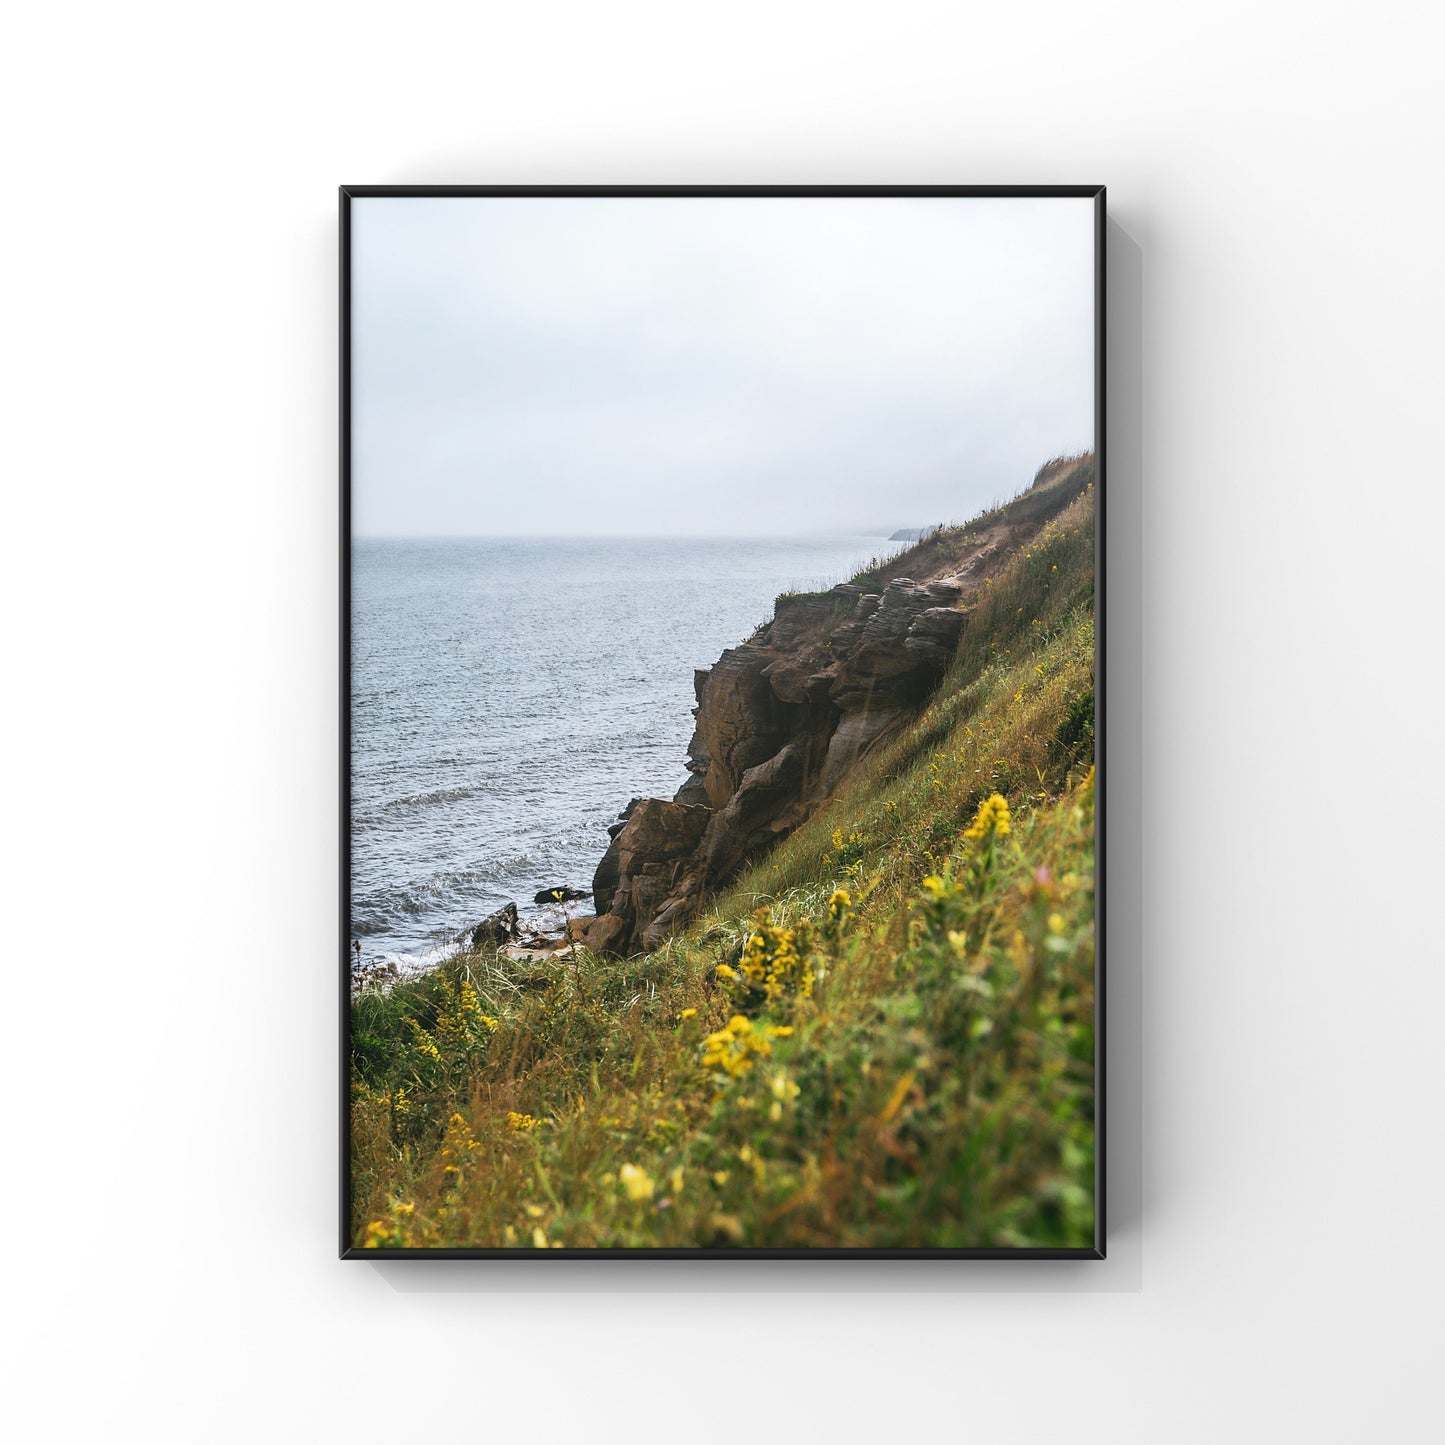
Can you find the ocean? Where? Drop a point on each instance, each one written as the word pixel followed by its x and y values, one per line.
pixel 509 696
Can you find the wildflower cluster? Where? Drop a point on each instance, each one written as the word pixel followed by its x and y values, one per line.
pixel 846 851
pixel 734 1049
pixel 393 1233
pixel 776 962
pixel 991 820
pixel 939 1095
pixel 461 1029
pixel 457 1146
pixel 462 1020
pixel 423 1042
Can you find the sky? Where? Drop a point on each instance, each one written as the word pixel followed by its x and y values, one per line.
pixel 711 366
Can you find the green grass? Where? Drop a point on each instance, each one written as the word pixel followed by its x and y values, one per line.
pixel 911 1068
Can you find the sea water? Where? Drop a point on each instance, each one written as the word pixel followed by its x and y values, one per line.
pixel 509 696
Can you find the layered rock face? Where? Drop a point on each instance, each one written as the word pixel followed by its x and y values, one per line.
pixel 784 720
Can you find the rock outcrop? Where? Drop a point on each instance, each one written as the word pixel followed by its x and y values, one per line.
pixel 784 720
pixel 560 894
pixel 641 872
pixel 494 931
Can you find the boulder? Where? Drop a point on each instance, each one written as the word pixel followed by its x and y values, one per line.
pixel 583 929
pixel 606 934
pixel 559 894
pixel 494 931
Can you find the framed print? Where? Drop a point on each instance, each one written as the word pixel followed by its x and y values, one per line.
pixel 722 775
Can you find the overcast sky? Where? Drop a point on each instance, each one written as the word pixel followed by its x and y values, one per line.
pixel 712 366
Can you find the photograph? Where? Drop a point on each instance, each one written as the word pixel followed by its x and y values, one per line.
pixel 722 593
pixel 638 640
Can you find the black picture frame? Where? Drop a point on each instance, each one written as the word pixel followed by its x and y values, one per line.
pixel 349 193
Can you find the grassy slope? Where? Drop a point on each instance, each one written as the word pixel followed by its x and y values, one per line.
pixel 920 1073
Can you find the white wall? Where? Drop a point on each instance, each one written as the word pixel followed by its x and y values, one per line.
pixel 168 575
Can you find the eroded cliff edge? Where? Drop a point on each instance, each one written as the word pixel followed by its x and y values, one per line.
pixel 786 719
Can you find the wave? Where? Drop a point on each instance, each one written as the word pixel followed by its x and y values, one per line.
pixel 374 910
pixel 390 808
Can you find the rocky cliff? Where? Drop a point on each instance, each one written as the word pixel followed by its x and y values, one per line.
pixel 786 719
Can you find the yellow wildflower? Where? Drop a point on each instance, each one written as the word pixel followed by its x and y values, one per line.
pixel 991 820
pixel 736 1048
pixel 456 1142
pixel 776 961
pixel 637 1182
pixel 423 1042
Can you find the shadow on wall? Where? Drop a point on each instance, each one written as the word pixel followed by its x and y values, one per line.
pixel 1123 1271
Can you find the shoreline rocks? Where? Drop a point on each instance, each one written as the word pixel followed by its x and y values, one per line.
pixel 496 930
pixel 782 721
pixel 786 718
pixel 559 894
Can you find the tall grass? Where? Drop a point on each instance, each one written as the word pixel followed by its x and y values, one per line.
pixel 881 1035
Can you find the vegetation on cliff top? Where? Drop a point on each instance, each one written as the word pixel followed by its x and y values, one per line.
pixel 882 1035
